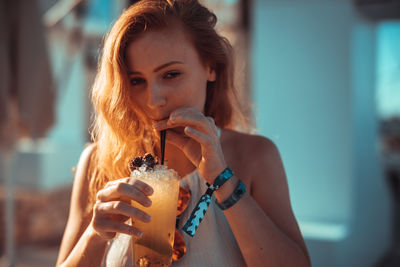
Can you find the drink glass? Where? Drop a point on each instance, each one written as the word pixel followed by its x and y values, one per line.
pixel 155 246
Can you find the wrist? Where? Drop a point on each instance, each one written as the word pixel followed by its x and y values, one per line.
pixel 238 193
pixel 226 190
pixel 96 237
pixel 217 170
pixel 220 180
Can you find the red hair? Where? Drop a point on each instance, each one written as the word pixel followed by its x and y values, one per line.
pixel 120 131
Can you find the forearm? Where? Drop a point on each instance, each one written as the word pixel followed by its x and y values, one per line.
pixel 88 251
pixel 261 242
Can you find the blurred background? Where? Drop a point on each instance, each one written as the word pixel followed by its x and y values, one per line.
pixel 323 78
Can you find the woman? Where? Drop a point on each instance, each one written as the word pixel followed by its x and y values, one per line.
pixel 165 68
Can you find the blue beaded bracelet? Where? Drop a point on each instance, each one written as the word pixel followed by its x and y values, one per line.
pixel 232 199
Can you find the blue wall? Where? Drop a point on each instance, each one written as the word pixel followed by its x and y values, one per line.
pixel 314 87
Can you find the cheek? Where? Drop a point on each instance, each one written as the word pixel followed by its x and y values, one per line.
pixel 137 99
pixel 198 95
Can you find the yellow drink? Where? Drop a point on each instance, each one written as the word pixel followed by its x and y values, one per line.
pixel 155 247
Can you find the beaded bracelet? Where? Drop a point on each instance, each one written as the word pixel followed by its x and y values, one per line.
pixel 232 199
pixel 200 209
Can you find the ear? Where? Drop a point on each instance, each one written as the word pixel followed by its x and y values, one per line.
pixel 211 75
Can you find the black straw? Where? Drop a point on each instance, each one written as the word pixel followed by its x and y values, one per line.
pixel 162 139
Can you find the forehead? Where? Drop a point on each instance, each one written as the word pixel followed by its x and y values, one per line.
pixel 157 47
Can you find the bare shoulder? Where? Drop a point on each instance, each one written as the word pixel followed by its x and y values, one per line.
pixel 243 142
pixel 257 162
pixel 85 157
pixel 79 212
pixel 253 157
pixel 80 191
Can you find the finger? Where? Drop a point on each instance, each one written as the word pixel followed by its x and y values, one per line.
pixel 123 191
pixel 212 124
pixel 142 186
pixel 112 227
pixel 121 208
pixel 114 182
pixel 204 140
pixel 186 109
pixel 192 118
pixel 163 124
pixel 196 120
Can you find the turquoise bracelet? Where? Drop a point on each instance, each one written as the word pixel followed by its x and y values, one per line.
pixel 240 190
pixel 201 207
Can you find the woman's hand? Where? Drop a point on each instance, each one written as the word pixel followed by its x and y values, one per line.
pixel 200 142
pixel 112 208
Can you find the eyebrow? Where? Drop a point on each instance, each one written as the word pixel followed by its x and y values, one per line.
pixel 159 67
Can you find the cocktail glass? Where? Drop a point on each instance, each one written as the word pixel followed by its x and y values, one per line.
pixel 155 246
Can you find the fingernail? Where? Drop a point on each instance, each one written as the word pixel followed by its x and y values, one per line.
pixel 149 190
pixel 136 232
pixel 148 202
pixel 148 218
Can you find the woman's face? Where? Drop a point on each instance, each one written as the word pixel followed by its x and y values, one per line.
pixel 166 73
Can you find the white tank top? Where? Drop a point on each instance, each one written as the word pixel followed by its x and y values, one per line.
pixel 213 244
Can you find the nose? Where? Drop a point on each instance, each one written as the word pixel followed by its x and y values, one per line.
pixel 155 96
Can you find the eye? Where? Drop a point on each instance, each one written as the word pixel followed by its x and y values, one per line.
pixel 136 81
pixel 172 74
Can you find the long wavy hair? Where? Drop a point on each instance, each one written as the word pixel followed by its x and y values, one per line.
pixel 120 130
